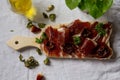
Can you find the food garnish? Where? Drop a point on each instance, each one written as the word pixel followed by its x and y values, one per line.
pixel 47 61
pixel 45 15
pixel 39 41
pixel 50 8
pixel 39 51
pixel 31 63
pixel 76 40
pixel 72 3
pixel 52 17
pixel 41 25
pixel 21 58
pixel 32 27
pixel 96 8
pixel 43 36
pixel 29 25
pixel 101 31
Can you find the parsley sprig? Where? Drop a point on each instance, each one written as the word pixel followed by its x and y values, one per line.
pixel 99 28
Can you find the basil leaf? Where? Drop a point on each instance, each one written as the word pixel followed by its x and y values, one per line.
pixel 95 8
pixel 72 3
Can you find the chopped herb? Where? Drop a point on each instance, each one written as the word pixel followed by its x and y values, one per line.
pixel 44 36
pixel 45 15
pixel 76 40
pixel 11 30
pixel 31 63
pixel 47 61
pixel 52 17
pixel 99 28
pixel 41 25
pixel 50 8
pixel 39 51
pixel 21 58
pixel 38 40
pixel 29 25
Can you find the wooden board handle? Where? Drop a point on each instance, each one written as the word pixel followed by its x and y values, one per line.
pixel 19 42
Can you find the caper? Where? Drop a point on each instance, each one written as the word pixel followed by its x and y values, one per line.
pixel 45 15
pixel 39 51
pixel 41 25
pixel 47 61
pixel 52 17
pixel 50 8
pixel 29 25
pixel 21 58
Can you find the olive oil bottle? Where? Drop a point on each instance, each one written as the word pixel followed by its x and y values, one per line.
pixel 23 7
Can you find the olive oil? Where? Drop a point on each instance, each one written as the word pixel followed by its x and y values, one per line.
pixel 24 7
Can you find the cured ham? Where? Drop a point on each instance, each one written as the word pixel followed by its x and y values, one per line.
pixel 90 44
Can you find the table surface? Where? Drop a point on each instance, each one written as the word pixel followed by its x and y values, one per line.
pixel 60 69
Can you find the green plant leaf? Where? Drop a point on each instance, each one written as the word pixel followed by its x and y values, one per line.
pixel 95 8
pixel 72 4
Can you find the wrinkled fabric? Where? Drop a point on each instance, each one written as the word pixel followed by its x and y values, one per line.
pixel 60 69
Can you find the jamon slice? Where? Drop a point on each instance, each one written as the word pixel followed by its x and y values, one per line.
pixel 60 43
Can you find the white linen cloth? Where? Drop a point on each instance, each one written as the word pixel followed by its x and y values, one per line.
pixel 60 69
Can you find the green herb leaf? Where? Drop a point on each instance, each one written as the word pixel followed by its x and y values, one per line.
pixel 21 58
pixel 95 8
pixel 72 3
pixel 41 25
pixel 99 28
pixel 44 36
pixel 39 51
pixel 38 40
pixel 76 40
pixel 47 61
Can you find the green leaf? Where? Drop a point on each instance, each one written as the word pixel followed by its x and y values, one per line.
pixel 99 28
pixel 72 4
pixel 95 8
pixel 44 36
pixel 76 40
pixel 38 40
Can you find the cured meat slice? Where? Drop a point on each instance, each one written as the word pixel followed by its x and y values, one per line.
pixel 60 43
pixel 88 47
